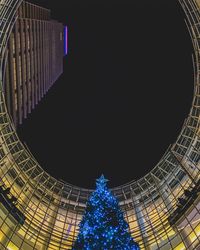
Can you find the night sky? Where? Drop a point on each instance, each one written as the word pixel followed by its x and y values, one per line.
pixel 126 89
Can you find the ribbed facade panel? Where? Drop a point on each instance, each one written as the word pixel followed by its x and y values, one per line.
pixel 30 69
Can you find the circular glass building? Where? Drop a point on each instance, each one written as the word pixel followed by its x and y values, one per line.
pixel 162 208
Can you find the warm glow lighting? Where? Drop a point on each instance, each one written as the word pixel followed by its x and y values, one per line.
pixel 197 230
pixel 12 246
pixel 180 247
pixel 1 236
pixel 192 237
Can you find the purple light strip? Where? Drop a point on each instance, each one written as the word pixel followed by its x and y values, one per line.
pixel 66 40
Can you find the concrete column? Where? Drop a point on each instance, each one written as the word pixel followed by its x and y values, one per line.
pixel 183 162
pixel 141 222
pixel 186 240
pixel 191 169
pixel 51 224
pixel 164 192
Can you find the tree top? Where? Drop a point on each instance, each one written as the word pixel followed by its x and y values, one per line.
pixel 101 182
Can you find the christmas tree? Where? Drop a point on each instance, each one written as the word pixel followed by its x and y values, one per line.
pixel 103 226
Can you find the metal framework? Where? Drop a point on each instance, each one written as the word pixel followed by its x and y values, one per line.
pixel 162 208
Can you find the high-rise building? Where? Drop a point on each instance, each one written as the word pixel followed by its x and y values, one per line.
pixel 34 59
pixel 162 208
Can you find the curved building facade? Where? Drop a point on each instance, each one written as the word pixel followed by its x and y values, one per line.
pixel 162 208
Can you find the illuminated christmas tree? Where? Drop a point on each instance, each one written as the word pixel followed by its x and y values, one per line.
pixel 103 226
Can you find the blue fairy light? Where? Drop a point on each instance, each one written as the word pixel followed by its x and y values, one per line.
pixel 103 226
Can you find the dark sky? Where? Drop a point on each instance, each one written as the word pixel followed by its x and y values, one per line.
pixel 126 89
